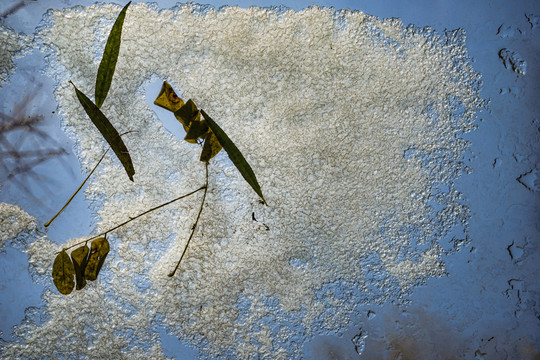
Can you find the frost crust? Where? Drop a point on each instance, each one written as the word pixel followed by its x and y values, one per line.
pixel 14 223
pixel 353 126
pixel 12 46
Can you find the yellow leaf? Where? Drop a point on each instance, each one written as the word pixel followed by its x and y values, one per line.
pixel 80 258
pixel 211 147
pixel 98 253
pixel 188 113
pixel 197 130
pixel 168 99
pixel 63 272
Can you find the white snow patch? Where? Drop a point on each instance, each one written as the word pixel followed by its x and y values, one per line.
pixel 324 104
pixel 14 223
pixel 12 47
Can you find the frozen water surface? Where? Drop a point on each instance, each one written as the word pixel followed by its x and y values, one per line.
pixel 392 230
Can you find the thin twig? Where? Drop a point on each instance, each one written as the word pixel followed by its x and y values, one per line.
pixel 82 184
pixel 136 217
pixel 78 189
pixel 194 226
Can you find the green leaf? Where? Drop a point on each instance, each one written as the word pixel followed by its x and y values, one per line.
pixel 211 147
pixel 168 99
pixel 187 113
pixel 62 273
pixel 80 259
pixel 235 155
pixel 110 57
pixel 108 131
pixel 98 253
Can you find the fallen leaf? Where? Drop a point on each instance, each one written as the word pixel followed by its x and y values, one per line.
pixel 110 57
pixel 197 130
pixel 62 273
pixel 108 131
pixel 211 147
pixel 80 259
pixel 187 113
pixel 234 154
pixel 98 253
pixel 168 99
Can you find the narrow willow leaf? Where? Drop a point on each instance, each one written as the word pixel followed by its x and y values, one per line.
pixel 197 130
pixel 98 253
pixel 62 273
pixel 80 259
pixel 234 154
pixel 108 131
pixel 211 147
pixel 168 99
pixel 188 113
pixel 110 57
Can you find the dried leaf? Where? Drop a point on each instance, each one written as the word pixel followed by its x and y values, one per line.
pixel 234 154
pixel 98 253
pixel 110 57
pixel 168 99
pixel 63 272
pixel 211 147
pixel 80 259
pixel 108 131
pixel 188 113
pixel 197 130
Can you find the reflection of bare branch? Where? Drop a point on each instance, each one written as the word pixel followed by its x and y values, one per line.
pixel 11 10
pixel 10 123
pixel 23 147
pixel 30 153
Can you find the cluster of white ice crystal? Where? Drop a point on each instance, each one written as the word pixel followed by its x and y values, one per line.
pixel 14 222
pixel 349 123
pixel 11 46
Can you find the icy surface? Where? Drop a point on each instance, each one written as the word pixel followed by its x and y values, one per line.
pixel 531 180
pixel 14 222
pixel 509 31
pixel 352 125
pixel 512 60
pixel 11 46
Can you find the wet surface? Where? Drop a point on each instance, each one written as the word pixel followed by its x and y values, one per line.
pixel 485 306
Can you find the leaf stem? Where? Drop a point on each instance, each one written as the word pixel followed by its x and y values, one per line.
pixel 78 189
pixel 138 216
pixel 194 226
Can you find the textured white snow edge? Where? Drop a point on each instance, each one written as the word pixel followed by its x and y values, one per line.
pixel 13 46
pixel 14 223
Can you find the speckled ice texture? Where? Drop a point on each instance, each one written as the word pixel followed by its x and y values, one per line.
pixel 11 46
pixel 15 223
pixel 353 127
